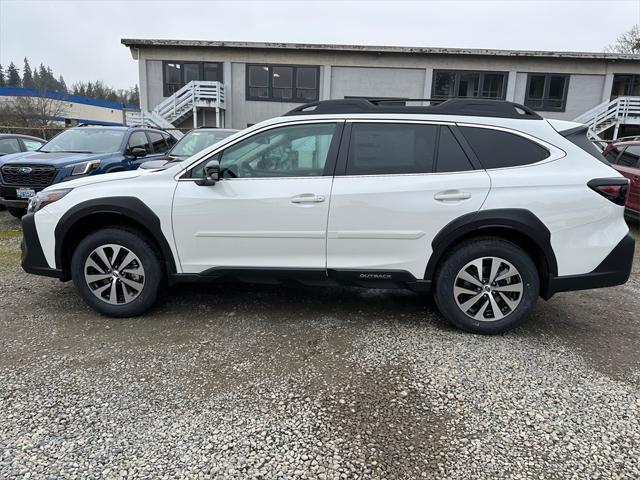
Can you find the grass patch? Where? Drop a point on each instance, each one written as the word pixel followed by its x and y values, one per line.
pixel 11 233
pixel 9 256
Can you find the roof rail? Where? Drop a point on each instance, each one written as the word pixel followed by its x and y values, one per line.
pixel 477 107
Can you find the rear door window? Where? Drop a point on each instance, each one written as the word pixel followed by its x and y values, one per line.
pixel 500 149
pixel 158 142
pixel 31 145
pixel 391 148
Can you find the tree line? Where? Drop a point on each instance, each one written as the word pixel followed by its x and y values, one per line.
pixel 43 78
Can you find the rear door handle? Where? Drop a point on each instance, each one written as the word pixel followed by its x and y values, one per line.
pixel 307 198
pixel 452 195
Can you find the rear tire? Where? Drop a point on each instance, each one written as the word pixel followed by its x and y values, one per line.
pixel 487 286
pixel 117 272
pixel 17 212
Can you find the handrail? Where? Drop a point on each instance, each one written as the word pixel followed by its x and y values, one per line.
pixel 196 93
pixel 606 114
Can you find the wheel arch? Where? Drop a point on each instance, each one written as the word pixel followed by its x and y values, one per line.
pixel 519 226
pixel 91 215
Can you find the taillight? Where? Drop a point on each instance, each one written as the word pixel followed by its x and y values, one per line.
pixel 614 189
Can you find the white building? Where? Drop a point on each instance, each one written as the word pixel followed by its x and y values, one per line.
pixel 235 84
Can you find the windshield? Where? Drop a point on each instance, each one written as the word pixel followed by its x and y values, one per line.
pixel 196 141
pixel 86 140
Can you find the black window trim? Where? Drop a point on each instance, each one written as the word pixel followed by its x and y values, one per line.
pixel 270 97
pixel 545 92
pixel 635 77
pixel 505 75
pixel 200 63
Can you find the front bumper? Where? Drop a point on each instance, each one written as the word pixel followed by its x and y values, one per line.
pixel 14 203
pixel 614 270
pixel 33 259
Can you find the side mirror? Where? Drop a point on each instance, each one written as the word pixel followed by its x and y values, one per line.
pixel 211 173
pixel 136 152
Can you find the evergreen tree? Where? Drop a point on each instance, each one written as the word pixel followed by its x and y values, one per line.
pixel 27 76
pixel 13 76
pixel 36 79
pixel 62 86
pixel 44 77
pixel 2 79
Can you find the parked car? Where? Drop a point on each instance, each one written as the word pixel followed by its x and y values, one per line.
pixel 625 158
pixel 15 143
pixel 74 153
pixel 197 140
pixel 484 203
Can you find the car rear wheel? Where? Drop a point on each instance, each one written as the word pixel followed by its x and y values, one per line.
pixel 117 272
pixel 17 212
pixel 487 286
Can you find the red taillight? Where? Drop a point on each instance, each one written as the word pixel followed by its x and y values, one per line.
pixel 614 189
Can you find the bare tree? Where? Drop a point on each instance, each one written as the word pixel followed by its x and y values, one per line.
pixel 37 112
pixel 627 42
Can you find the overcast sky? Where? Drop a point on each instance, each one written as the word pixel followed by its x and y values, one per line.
pixel 81 39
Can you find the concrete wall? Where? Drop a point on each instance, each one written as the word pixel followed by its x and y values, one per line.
pixel 377 82
pixel 153 92
pixel 584 93
pixel 386 74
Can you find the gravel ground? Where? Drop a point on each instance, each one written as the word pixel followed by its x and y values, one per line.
pixel 241 381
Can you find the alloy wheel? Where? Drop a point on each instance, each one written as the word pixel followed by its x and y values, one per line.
pixel 488 289
pixel 114 274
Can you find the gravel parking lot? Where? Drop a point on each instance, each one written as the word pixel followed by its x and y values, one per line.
pixel 240 381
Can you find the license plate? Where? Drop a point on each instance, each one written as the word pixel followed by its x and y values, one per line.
pixel 25 193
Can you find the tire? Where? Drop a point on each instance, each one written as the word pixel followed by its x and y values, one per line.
pixel 17 212
pixel 499 305
pixel 94 256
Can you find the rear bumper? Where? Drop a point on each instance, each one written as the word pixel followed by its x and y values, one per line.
pixel 614 270
pixel 33 259
pixel 632 214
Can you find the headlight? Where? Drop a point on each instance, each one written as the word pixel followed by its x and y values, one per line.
pixel 42 199
pixel 84 168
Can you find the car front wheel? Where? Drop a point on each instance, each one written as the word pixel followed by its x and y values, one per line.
pixel 487 286
pixel 117 272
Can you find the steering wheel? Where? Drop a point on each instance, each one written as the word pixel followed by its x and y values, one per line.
pixel 245 170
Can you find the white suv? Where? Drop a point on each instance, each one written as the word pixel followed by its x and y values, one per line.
pixel 483 203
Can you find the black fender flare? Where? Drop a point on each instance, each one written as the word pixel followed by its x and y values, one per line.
pixel 523 223
pixel 130 207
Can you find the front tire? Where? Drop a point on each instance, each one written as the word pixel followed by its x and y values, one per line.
pixel 117 272
pixel 487 286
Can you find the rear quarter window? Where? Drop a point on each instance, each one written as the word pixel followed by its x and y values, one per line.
pixel 499 149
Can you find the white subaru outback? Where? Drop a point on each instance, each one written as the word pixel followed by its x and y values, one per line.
pixel 484 203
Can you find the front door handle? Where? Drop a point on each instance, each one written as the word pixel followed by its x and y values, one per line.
pixel 452 195
pixel 307 198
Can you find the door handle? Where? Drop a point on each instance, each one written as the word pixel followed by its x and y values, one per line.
pixel 452 195
pixel 307 198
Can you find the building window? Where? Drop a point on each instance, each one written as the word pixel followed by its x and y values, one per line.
pixel 177 74
pixel 625 86
pixel 283 83
pixel 464 84
pixel 547 92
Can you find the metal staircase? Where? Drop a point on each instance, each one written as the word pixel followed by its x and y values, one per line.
pixel 614 113
pixel 189 100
